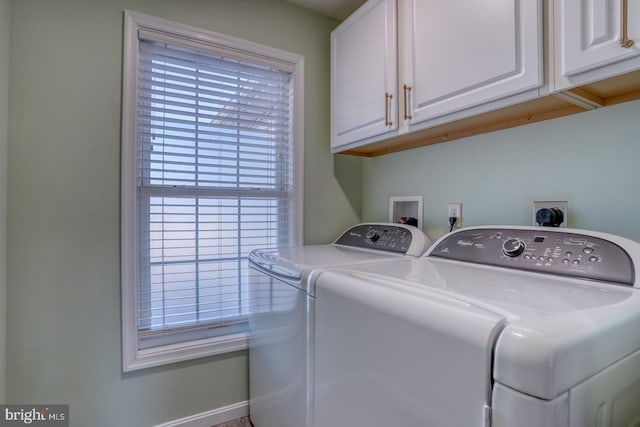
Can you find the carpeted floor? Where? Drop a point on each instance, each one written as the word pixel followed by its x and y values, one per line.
pixel 240 422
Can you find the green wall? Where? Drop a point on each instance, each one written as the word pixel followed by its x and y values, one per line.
pixel 63 334
pixel 591 160
pixel 4 103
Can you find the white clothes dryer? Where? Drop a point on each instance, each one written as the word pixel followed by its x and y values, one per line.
pixel 281 320
pixel 494 326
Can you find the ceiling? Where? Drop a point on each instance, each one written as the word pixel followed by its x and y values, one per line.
pixel 337 9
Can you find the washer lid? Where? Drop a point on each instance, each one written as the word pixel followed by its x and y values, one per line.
pixel 547 354
pixel 293 262
pixel 559 331
pixel 295 265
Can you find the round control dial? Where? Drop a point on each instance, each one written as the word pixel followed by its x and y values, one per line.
pixel 372 235
pixel 513 247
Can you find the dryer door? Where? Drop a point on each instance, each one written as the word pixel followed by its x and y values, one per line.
pixel 391 353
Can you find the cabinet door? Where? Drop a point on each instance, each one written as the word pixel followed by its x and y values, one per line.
pixel 589 33
pixel 458 54
pixel 364 74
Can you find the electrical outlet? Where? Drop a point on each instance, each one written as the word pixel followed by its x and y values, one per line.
pixel 455 211
pixel 562 205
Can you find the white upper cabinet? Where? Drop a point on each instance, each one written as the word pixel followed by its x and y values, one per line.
pixel 595 39
pixel 454 59
pixel 457 54
pixel 364 77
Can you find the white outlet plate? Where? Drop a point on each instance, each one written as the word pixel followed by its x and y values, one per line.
pixel 455 210
pixel 562 205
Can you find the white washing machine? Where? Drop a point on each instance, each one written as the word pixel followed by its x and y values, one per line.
pixel 282 295
pixel 494 326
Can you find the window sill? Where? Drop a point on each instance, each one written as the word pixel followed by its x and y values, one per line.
pixel 173 353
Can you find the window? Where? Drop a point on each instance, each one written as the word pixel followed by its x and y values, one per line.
pixel 210 170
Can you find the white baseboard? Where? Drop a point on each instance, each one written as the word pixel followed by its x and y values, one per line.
pixel 213 417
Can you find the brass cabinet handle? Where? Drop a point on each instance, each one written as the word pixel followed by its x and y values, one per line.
pixel 625 41
pixel 407 92
pixel 387 101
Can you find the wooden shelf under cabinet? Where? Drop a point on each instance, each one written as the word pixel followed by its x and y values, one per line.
pixel 608 92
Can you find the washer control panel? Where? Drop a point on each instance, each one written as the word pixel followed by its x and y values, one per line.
pixel 540 250
pixel 384 237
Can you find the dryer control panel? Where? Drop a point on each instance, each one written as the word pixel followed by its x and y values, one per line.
pixel 541 250
pixel 398 238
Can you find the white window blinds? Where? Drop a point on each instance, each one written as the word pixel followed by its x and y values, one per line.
pixel 214 181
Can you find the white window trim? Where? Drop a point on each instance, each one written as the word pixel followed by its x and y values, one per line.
pixel 132 357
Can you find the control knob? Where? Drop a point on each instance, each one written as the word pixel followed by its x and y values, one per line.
pixel 513 247
pixel 372 236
